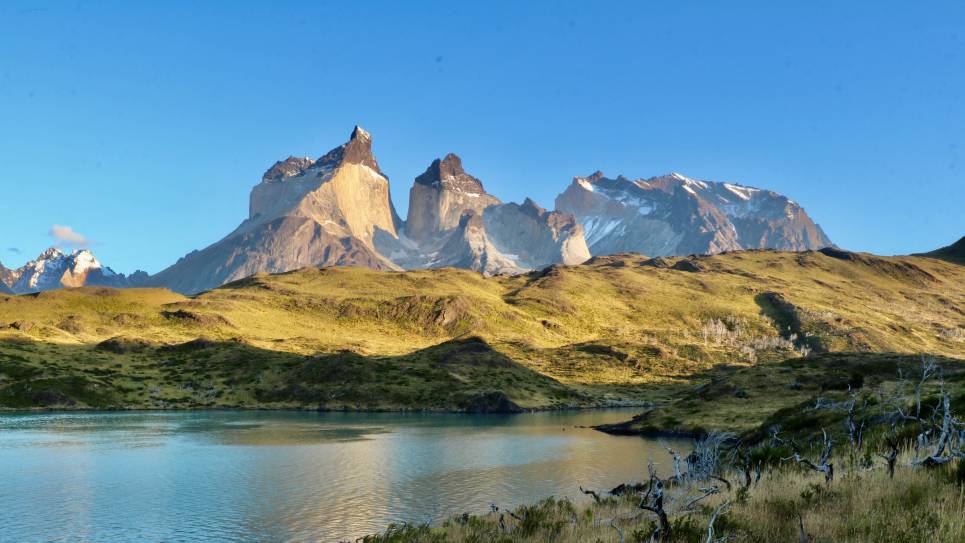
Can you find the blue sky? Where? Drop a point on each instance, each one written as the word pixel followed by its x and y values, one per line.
pixel 143 126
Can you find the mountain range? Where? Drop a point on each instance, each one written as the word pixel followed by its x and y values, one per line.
pixel 336 210
pixel 56 269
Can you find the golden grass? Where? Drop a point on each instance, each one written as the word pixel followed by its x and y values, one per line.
pixel 617 327
pixel 861 506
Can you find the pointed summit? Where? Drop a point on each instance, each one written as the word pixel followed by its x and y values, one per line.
pixel 359 133
pixel 358 150
pixel 448 174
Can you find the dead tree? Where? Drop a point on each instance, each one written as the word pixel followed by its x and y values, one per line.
pixel 855 423
pixel 928 370
pixel 704 462
pixel 824 465
pixel 678 476
pixel 947 446
pixel 653 501
pixel 892 456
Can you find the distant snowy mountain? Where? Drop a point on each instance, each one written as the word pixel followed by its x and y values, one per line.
pixel 676 215
pixel 57 269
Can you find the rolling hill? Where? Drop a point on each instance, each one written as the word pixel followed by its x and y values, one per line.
pixel 619 329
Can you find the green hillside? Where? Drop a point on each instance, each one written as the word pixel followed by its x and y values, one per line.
pixel 618 329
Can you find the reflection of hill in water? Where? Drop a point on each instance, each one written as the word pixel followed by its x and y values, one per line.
pixel 294 476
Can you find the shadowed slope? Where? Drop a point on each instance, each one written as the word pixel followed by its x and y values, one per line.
pixel 619 328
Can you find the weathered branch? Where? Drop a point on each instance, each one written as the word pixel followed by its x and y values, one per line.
pixel 706 493
pixel 803 536
pixel 824 465
pixel 721 509
pixel 596 495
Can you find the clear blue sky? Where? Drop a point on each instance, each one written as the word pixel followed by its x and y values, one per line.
pixel 142 126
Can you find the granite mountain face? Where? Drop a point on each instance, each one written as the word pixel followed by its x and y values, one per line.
pixel 324 212
pixel 676 215
pixel 336 210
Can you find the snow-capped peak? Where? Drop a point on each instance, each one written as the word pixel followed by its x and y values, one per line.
pixel 55 268
pixel 584 183
pixel 744 193
pixel 688 181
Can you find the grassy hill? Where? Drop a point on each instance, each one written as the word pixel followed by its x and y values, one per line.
pixel 618 329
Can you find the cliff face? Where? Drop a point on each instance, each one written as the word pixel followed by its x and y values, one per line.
pixel 440 196
pixel 325 212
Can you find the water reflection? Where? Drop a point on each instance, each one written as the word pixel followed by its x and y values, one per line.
pixel 274 476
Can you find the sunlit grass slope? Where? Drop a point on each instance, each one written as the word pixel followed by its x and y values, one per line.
pixel 617 329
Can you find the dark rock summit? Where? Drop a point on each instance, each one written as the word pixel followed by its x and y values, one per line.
pixel 449 175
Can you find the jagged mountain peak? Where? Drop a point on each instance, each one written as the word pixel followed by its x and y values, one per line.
pixel 50 253
pixel 360 133
pixel 439 198
pixel 326 212
pixel 529 206
pixel 448 174
pixel 675 214
pixel 290 167
pixel 358 150
pixel 55 268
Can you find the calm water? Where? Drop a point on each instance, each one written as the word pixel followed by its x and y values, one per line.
pixel 270 476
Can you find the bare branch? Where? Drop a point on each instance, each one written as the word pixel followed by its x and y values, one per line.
pixel 721 509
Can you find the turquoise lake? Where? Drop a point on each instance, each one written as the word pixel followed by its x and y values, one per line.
pixel 286 476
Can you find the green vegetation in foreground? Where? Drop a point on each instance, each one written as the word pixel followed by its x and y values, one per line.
pixel 747 400
pixel 618 330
